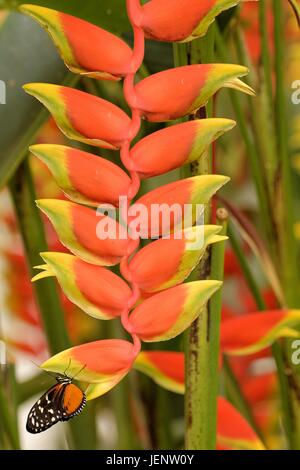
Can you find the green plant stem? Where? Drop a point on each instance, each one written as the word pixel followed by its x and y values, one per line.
pixel 8 416
pixel 250 146
pixel 262 125
pixel 141 418
pixel 287 246
pixel 32 232
pixel 286 397
pixel 180 54
pixel 181 57
pixel 202 348
pixel 284 204
pixel 8 421
pixel 162 419
pixel 248 276
pixel 143 71
pixel 121 400
pixel 202 377
pixel 13 389
pixel 265 51
pixel 214 321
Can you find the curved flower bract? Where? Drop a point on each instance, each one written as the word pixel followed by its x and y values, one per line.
pixel 85 48
pixel 177 20
pixel 253 332
pixel 76 227
pixel 96 290
pixel 166 368
pixel 234 432
pixel 182 143
pixel 178 254
pixel 82 116
pixel 168 313
pixel 175 93
pixel 174 205
pixel 103 362
pixel 84 178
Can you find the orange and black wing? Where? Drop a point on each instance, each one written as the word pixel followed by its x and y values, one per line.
pixel 59 403
pixel 73 401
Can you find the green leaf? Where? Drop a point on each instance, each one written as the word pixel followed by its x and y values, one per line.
pixel 108 14
pixel 27 55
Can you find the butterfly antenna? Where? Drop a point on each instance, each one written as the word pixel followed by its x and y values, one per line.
pixel 65 372
pixel 80 370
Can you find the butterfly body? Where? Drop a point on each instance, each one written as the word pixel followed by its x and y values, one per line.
pixel 60 403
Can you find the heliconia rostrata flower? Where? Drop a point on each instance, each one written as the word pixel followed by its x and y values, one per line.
pixel 153 304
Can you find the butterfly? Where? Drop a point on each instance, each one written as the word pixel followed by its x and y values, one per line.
pixel 60 403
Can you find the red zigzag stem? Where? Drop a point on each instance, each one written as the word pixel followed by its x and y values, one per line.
pixel 133 10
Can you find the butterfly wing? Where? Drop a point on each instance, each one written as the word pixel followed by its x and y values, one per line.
pixel 60 403
pixel 47 411
pixel 74 401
